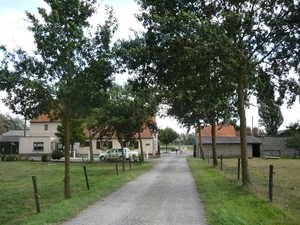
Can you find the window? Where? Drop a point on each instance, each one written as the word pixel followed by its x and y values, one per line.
pixel 60 146
pixel 107 144
pixel 46 127
pixel 38 146
pixel 98 145
pixel 87 144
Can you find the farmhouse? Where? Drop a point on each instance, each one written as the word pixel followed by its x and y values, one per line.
pixel 227 142
pixel 42 140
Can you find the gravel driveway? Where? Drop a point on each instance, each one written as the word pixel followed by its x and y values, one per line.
pixel 166 194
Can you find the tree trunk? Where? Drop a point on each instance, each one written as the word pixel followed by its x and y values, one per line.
pixel 243 130
pixel 200 142
pixel 141 144
pixel 91 147
pixel 213 139
pixel 67 181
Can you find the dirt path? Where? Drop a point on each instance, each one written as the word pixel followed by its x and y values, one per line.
pixel 164 195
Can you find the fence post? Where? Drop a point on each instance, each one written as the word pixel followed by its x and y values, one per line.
pixel 130 163
pixel 36 195
pixel 271 183
pixel 221 162
pixel 239 168
pixel 86 178
pixel 117 167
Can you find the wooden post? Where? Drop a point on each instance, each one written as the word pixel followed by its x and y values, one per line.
pixel 36 195
pixel 221 162
pixel 130 163
pixel 117 167
pixel 239 168
pixel 271 183
pixel 86 178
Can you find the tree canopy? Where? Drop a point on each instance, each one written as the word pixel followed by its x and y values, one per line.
pixel 127 113
pixel 167 136
pixel 69 70
pixel 7 123
pixel 239 39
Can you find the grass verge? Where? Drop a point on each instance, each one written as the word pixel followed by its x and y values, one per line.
pixel 227 202
pixel 17 203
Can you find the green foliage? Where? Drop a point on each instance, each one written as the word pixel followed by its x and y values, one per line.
pixel 3 157
pixel 293 128
pixel 57 154
pixel 268 106
pixel 167 136
pixel 44 158
pixel 76 132
pixel 11 157
pixel 293 141
pixel 216 49
pixel 185 139
pixel 68 72
pixel 8 123
pixel 270 117
pixel 129 110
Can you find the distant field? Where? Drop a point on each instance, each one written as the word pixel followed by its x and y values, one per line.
pixel 286 191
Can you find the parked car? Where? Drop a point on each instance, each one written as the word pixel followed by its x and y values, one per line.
pixel 116 153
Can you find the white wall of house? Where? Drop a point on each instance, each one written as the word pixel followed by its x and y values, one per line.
pixel 35 145
pixel 148 146
pixel 43 129
pixel 42 140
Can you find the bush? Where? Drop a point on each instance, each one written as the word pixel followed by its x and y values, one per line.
pixel 44 158
pixel 11 157
pixel 57 154
pixel 3 157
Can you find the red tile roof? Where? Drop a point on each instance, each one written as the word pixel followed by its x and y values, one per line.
pixel 41 119
pixel 45 119
pixel 224 131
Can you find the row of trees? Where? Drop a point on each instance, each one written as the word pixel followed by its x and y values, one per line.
pixel 69 77
pixel 208 57
pixel 202 58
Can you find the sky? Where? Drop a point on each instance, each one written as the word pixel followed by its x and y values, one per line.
pixel 13 33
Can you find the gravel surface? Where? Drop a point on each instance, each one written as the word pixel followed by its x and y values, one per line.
pixel 166 194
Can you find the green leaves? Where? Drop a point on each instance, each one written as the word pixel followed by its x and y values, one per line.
pixel 167 135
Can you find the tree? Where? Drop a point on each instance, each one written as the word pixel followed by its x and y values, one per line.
pixel 69 70
pixel 185 139
pixel 123 116
pixel 76 133
pixel 237 37
pixel 293 133
pixel 293 142
pixel 145 104
pixel 293 128
pixel 8 123
pixel 167 136
pixel 268 107
pixel 270 117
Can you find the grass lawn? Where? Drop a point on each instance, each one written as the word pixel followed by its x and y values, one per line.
pixel 17 202
pixel 227 202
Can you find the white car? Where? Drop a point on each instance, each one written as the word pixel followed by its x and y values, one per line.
pixel 116 153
